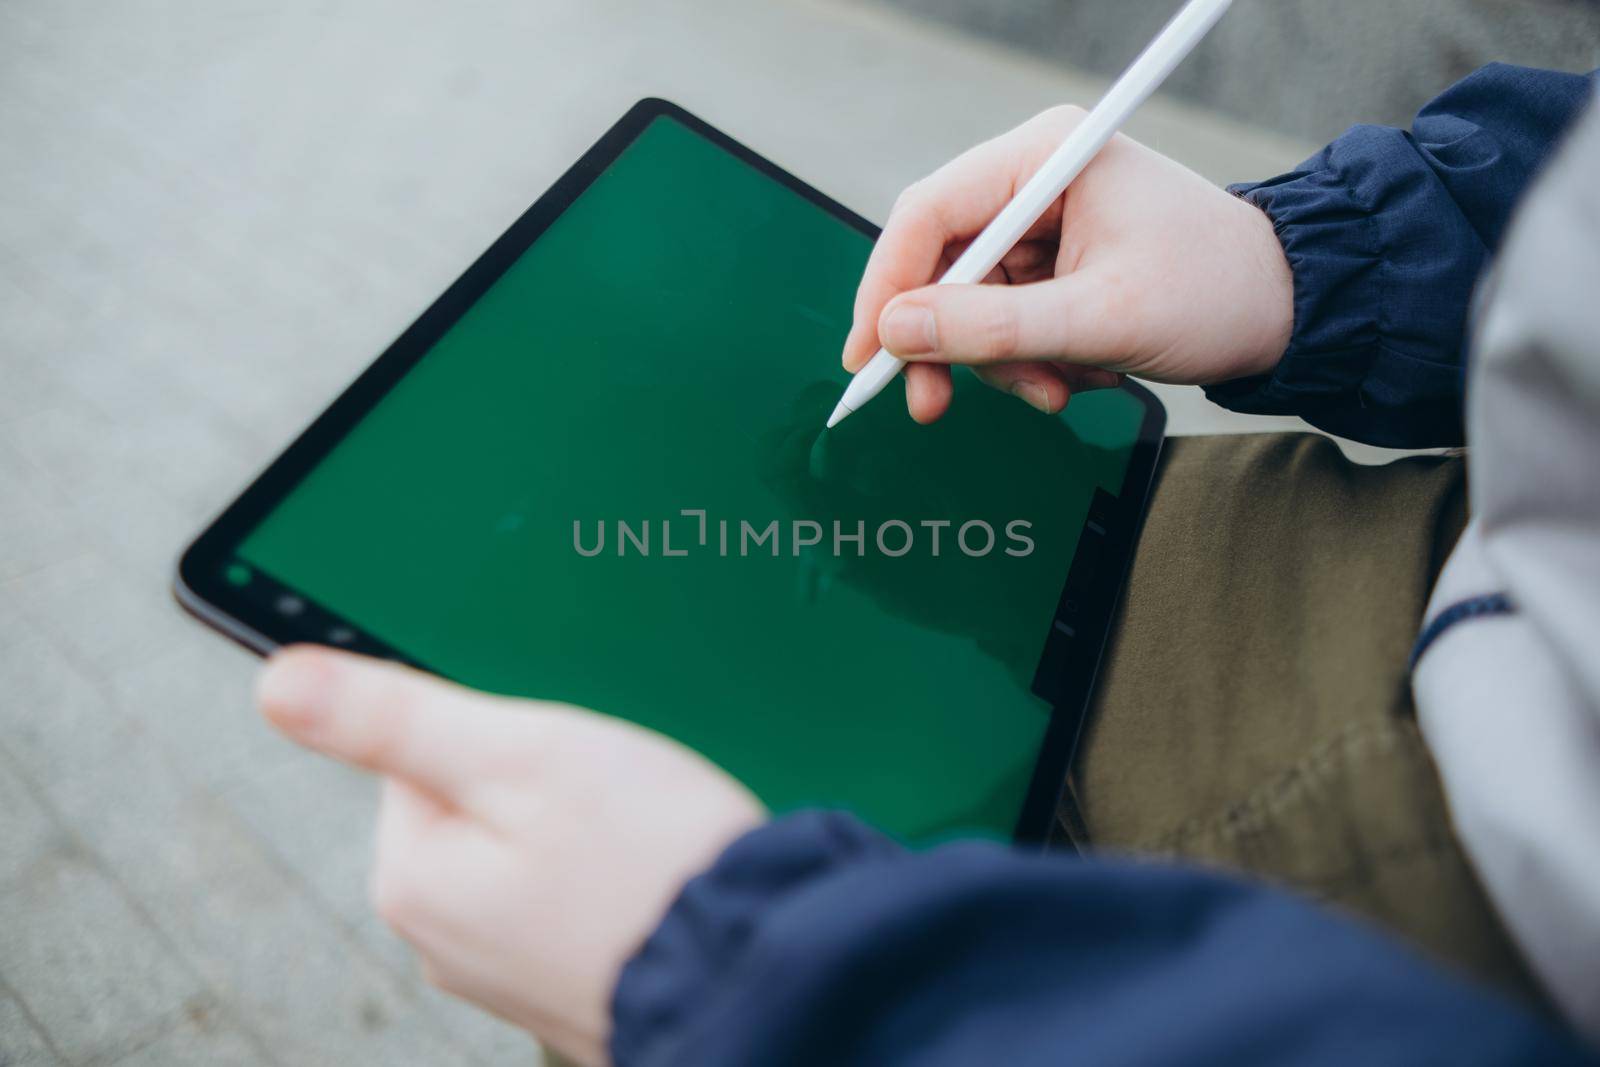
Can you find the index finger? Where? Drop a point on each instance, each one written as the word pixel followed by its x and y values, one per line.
pixel 951 205
pixel 385 718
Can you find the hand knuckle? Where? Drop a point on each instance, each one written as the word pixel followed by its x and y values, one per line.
pixel 1056 120
pixel 994 333
pixel 908 196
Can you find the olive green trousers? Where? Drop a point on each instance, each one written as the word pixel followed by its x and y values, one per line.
pixel 1254 711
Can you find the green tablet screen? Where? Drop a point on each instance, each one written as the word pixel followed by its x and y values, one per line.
pixel 608 484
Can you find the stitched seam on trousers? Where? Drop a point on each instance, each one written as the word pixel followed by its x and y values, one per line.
pixel 1289 788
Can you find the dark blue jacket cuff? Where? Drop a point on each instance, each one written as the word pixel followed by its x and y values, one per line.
pixel 1386 232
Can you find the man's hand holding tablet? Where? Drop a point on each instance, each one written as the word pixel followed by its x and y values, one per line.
pixel 525 849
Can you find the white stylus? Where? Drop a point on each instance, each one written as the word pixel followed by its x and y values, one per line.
pixel 1160 57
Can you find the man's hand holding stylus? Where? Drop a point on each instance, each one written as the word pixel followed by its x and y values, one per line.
pixel 525 849
pixel 1142 267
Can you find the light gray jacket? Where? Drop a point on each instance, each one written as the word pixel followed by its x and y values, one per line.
pixel 1510 703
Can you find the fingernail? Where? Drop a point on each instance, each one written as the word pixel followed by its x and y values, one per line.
pixel 293 687
pixel 1105 379
pixel 1034 395
pixel 908 330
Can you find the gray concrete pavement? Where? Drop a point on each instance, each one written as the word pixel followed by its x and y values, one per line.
pixel 214 215
pixel 1306 67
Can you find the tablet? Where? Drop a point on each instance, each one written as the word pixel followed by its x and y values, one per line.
pixel 594 471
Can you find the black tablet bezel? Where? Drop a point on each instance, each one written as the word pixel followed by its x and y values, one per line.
pixel 256 616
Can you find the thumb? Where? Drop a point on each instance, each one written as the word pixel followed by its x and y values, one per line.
pixel 1061 319
pixel 384 718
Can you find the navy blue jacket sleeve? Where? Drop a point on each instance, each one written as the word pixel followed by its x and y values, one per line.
pixel 815 940
pixel 1386 231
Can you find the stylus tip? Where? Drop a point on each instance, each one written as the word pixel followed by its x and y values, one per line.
pixel 838 415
